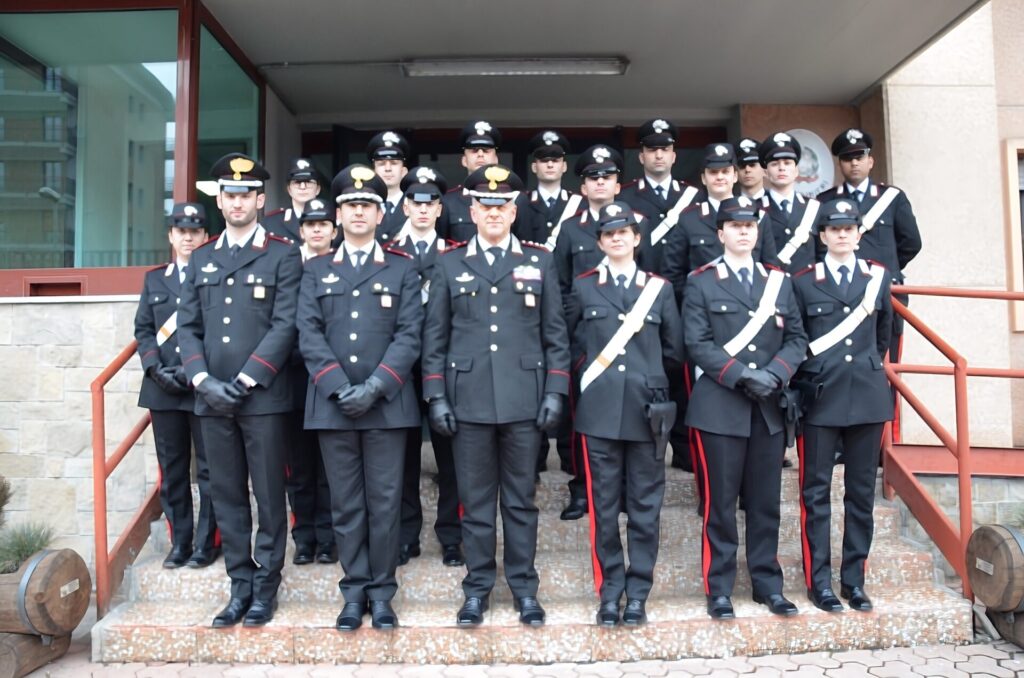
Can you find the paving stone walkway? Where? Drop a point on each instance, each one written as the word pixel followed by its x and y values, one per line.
pixel 984 660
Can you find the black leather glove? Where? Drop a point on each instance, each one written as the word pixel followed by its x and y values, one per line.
pixel 550 412
pixel 163 375
pixel 441 417
pixel 181 377
pixel 759 384
pixel 221 396
pixel 355 401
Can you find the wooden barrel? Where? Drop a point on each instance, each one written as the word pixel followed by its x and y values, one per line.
pixel 20 655
pixel 47 596
pixel 995 567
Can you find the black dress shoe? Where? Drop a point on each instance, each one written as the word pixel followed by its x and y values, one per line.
pixel 177 557
pixel 407 552
pixel 576 509
pixel 472 612
pixel 304 554
pixel 777 604
pixel 635 613
pixel 451 555
pixel 382 615
pixel 203 558
pixel 825 599
pixel 351 617
pixel 260 612
pixel 530 611
pixel 327 555
pixel 232 613
pixel 858 599
pixel 720 607
pixel 608 613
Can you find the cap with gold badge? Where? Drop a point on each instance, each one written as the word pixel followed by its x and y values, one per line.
pixel 358 183
pixel 238 173
pixel 493 185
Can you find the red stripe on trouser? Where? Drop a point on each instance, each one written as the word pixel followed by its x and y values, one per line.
pixel 461 511
pixel 803 513
pixel 598 572
pixel 690 439
pixel 897 433
pixel 572 433
pixel 706 554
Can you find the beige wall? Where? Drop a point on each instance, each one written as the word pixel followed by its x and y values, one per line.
pixel 941 108
pixel 51 352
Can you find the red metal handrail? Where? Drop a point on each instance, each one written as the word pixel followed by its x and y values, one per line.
pixel 898 476
pixel 110 565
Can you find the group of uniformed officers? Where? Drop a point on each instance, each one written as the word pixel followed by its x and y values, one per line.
pixel 300 353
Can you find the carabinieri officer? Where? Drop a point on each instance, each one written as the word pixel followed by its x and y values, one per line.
pixel 359 330
pixel 166 392
pixel 743 332
pixel 495 374
pixel 236 326
pixel 626 328
pixel 847 311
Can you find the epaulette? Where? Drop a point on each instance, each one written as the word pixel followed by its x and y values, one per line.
pixel 810 267
pixel 455 189
pixel 286 241
pixel 451 244
pixel 160 267
pixel 710 266
pixel 328 253
pixel 691 207
pixel 655 275
pixel 587 274
pixel 874 263
pixel 274 213
pixel 630 184
pixel 400 253
pixel 455 247
pixel 535 245
pixel 208 242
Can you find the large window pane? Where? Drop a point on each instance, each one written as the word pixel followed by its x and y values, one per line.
pixel 87 110
pixel 229 114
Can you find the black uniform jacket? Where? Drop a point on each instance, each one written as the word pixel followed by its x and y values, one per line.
pixel 642 197
pixel 535 220
pixel 576 249
pixel 354 325
pixel 391 224
pixel 161 295
pixel 785 226
pixel 282 223
pixel 424 264
pixel 455 222
pixel 855 389
pixel 237 314
pixel 613 404
pixel 694 243
pixel 495 339
pixel 715 309
pixel 894 240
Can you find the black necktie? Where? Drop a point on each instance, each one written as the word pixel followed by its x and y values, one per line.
pixel 844 280
pixel 235 249
pixel 785 206
pixel 421 248
pixel 357 260
pixel 551 203
pixel 860 195
pixel 745 280
pixel 496 253
pixel 660 190
pixel 182 273
pixel 620 282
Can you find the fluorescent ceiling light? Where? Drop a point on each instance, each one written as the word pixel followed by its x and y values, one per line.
pixel 420 68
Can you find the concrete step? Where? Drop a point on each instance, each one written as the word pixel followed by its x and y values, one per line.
pixel 680 526
pixel 680 488
pixel 303 632
pixel 563 575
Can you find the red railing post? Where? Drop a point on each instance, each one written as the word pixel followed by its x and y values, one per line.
pixel 964 470
pixel 99 497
